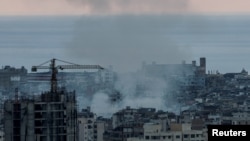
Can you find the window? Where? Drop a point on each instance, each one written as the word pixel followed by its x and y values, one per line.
pixel 155 137
pixel 192 136
pixel 177 136
pixel 185 136
pixel 147 137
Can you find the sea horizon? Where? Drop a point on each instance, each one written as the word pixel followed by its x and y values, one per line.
pixel 222 39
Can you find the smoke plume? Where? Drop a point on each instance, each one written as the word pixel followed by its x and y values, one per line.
pixel 126 41
pixel 132 6
pixel 137 91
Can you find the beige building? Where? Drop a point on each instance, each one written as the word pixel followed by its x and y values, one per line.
pixel 99 129
pixel 86 126
pixel 177 132
pixel 89 127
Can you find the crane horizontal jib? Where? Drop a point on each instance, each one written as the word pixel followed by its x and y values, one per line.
pixel 79 67
pixel 34 68
pixel 54 69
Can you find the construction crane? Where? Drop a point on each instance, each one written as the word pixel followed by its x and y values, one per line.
pixel 54 70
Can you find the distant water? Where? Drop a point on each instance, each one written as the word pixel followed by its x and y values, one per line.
pixel 223 40
pixel 29 32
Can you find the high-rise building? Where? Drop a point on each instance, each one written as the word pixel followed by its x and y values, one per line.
pixel 203 65
pixel 185 74
pixel 11 78
pixel 47 117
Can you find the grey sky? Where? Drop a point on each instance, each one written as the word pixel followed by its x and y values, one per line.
pixel 132 6
pixel 100 7
pixel 126 41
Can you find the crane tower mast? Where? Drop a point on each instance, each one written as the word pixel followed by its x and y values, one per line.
pixel 54 70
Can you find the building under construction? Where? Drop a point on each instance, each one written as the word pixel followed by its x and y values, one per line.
pixel 51 116
pixel 48 117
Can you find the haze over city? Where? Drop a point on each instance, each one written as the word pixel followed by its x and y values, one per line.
pixel 97 31
pixel 160 69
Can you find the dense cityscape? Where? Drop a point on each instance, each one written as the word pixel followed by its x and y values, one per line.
pixel 160 102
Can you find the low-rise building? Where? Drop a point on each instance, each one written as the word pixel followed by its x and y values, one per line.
pixel 178 132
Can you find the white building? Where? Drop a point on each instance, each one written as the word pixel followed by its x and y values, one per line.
pixel 86 121
pixel 89 128
pixel 2 136
pixel 178 132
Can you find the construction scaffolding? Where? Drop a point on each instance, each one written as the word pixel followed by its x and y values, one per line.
pixel 51 116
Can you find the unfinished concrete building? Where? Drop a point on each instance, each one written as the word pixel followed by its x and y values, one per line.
pixel 51 116
pixel 48 117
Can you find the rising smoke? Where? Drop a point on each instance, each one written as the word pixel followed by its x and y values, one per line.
pixel 132 6
pixel 135 90
pixel 125 41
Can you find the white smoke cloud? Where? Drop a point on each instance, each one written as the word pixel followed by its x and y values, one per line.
pixel 156 93
pixel 102 106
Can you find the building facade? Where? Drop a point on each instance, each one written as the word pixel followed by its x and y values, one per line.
pixel 48 117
